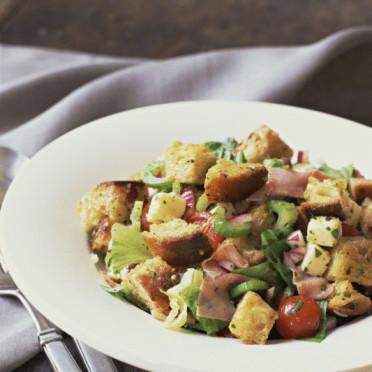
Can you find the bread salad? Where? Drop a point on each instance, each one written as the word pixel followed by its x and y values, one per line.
pixel 237 239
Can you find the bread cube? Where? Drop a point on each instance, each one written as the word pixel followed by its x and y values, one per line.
pixel 366 218
pixel 347 301
pixel 101 236
pixel 263 144
pixel 253 319
pixel 228 181
pixel 148 281
pixel 188 163
pixel 179 243
pixel 109 199
pixel 331 195
pixel 352 260
pixel 360 189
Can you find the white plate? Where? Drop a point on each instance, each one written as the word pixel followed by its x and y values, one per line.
pixel 45 248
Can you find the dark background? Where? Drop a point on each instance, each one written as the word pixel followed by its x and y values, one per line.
pixel 165 28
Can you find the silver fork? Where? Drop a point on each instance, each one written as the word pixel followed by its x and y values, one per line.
pixel 50 338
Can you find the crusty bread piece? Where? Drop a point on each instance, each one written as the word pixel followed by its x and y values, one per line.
pixel 366 218
pixel 306 210
pixel 352 260
pixel 330 198
pixel 263 144
pixel 101 236
pixel 228 181
pixel 360 188
pixel 188 163
pixel 177 242
pixel 253 319
pixel 347 301
pixel 109 199
pixel 146 283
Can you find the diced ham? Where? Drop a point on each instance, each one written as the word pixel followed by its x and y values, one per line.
pixel 297 244
pixel 294 256
pixel 285 183
pixel 188 195
pixel 315 287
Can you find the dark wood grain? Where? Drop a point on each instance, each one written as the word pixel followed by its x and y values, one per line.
pixel 165 28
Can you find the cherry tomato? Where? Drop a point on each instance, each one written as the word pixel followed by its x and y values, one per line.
pixel 144 221
pixel 299 317
pixel 205 218
pixel 349 230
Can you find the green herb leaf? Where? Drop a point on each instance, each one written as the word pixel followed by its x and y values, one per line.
pixel 322 330
pixel 273 249
pixel 297 307
pixel 263 271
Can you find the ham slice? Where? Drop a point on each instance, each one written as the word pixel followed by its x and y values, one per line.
pixel 312 286
pixel 214 299
pixel 297 252
pixel 294 256
pixel 285 183
pixel 227 256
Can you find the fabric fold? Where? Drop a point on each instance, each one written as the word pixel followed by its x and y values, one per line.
pixel 45 93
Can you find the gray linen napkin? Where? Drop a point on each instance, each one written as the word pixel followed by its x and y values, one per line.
pixel 45 93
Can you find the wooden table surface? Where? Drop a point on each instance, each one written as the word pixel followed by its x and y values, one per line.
pixel 165 28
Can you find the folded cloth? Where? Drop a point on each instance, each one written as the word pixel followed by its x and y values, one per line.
pixel 45 93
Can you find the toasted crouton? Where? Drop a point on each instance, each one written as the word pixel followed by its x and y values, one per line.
pixel 263 144
pixel 253 319
pixel 347 301
pixel 188 163
pixel 231 182
pixel 352 260
pixel 366 218
pixel 360 189
pixel 147 283
pixel 330 198
pixel 307 210
pixel 101 236
pixel 109 199
pixel 177 242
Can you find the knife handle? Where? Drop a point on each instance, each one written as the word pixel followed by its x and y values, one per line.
pixel 94 360
pixel 57 352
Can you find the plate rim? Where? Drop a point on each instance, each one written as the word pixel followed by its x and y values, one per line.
pixel 136 359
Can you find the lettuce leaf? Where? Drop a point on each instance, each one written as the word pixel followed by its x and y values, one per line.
pixel 127 248
pixel 177 317
pixel 345 172
pixel 122 293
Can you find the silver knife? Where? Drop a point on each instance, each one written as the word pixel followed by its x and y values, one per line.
pixel 94 360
